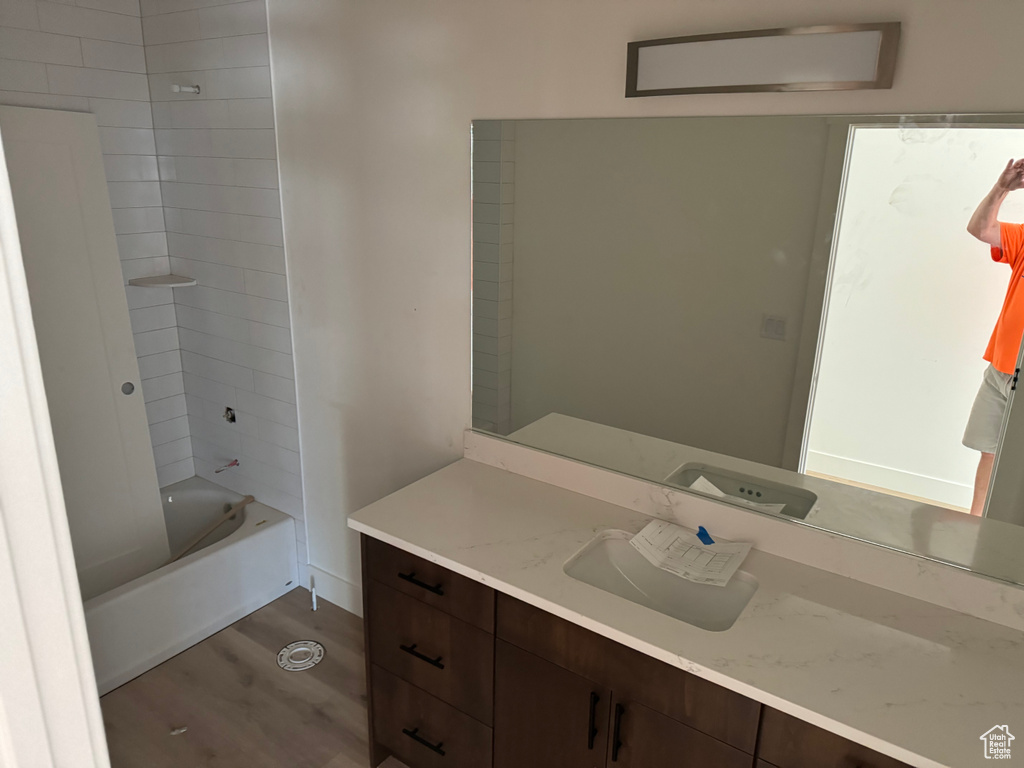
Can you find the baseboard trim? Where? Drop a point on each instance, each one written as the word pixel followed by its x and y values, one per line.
pixel 337 590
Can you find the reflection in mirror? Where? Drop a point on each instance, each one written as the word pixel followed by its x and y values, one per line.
pixel 792 300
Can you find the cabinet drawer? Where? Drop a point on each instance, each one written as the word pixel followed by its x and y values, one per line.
pixel 422 731
pixel 791 743
pixel 434 585
pixel 709 708
pixel 446 657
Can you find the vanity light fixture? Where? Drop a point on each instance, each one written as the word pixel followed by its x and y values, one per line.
pixel 837 57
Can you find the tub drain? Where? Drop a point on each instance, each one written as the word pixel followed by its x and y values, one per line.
pixel 300 655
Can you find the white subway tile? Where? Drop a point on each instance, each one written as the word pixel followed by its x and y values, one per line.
pixel 235 19
pixel 22 76
pixel 271 337
pixel 210 275
pixel 132 268
pixel 166 409
pixel 151 7
pixel 127 141
pixel 197 114
pixel 120 113
pixel 171 27
pixel 242 83
pixel 218 370
pixel 103 54
pixel 161 364
pixel 142 246
pixel 236 353
pixel 214 323
pixel 208 425
pixel 211 390
pixel 152 318
pixel 211 445
pixel 176 450
pixel 238 172
pixel 139 297
pixel 259 144
pixel 175 473
pixel 244 51
pixel 153 342
pixel 103 83
pixel 266 258
pixel 227 226
pixel 19 13
pixel 131 168
pixel 269 453
pixel 166 431
pixel 27 45
pixel 268 409
pixel 190 142
pixel 127 7
pixel 250 113
pixel 213 412
pixel 162 386
pixel 134 194
pixel 266 285
pixel 278 434
pixel 86 22
pixel 234 304
pixel 247 201
pixel 44 101
pixel 270 476
pixel 192 55
pixel 129 221
pixel 274 386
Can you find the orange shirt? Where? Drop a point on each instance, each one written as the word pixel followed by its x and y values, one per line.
pixel 1005 342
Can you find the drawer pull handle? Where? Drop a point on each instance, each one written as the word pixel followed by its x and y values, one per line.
pixel 411 650
pixel 616 732
pixel 592 727
pixel 411 578
pixel 414 734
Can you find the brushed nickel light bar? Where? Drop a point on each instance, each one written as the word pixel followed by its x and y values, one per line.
pixel 836 57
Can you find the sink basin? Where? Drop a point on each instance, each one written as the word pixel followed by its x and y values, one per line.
pixel 610 562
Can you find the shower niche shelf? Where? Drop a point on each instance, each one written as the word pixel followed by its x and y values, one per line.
pixel 163 281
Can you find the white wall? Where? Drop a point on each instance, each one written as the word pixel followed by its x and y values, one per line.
pixel 914 298
pixel 374 103
pixel 218 170
pixel 90 58
pixel 647 254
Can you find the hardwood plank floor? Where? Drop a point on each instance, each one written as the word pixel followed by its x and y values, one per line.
pixel 242 710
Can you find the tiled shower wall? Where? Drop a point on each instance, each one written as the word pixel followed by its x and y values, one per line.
pixel 494 152
pixel 89 57
pixel 218 171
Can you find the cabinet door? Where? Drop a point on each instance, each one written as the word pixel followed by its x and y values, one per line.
pixel 643 738
pixel 789 742
pixel 545 716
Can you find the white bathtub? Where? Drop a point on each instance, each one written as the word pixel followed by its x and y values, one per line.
pixel 142 623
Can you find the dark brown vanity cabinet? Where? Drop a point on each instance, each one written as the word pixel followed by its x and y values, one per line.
pixel 460 676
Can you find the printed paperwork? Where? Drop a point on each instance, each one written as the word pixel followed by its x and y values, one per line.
pixel 678 551
pixel 704 485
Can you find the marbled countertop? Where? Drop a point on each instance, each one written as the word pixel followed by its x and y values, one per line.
pixel 910 679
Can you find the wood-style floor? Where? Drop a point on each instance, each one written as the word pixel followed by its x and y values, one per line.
pixel 240 709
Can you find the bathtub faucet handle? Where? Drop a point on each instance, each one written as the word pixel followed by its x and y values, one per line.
pixel 229 465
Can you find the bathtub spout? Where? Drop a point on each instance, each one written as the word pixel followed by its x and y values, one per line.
pixel 229 465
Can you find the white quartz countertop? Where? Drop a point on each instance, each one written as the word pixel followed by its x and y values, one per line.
pixel 910 679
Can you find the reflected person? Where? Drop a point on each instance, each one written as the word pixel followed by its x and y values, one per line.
pixel 1007 242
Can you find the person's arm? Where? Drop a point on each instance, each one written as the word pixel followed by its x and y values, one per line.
pixel 983 224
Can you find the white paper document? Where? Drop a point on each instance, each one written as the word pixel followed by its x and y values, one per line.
pixel 704 485
pixel 678 551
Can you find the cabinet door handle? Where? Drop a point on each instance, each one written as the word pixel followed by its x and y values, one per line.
pixel 616 732
pixel 437 589
pixel 592 727
pixel 411 650
pixel 414 734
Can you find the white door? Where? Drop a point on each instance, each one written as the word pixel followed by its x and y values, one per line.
pixel 80 313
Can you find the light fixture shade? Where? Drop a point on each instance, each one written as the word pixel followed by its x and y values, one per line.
pixel 823 58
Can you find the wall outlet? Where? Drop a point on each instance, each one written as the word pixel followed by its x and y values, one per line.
pixel 773 327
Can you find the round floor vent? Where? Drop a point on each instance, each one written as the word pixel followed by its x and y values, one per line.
pixel 300 655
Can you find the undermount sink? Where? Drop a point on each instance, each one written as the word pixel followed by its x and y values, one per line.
pixel 610 562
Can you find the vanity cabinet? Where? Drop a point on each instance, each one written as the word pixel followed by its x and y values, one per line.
pixel 461 676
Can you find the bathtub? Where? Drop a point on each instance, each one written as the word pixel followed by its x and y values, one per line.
pixel 245 564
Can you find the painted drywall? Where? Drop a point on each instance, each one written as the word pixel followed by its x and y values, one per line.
pixel 913 301
pixel 647 254
pixel 218 177
pixel 91 59
pixel 374 103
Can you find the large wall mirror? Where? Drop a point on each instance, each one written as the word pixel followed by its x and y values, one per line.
pixel 786 312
